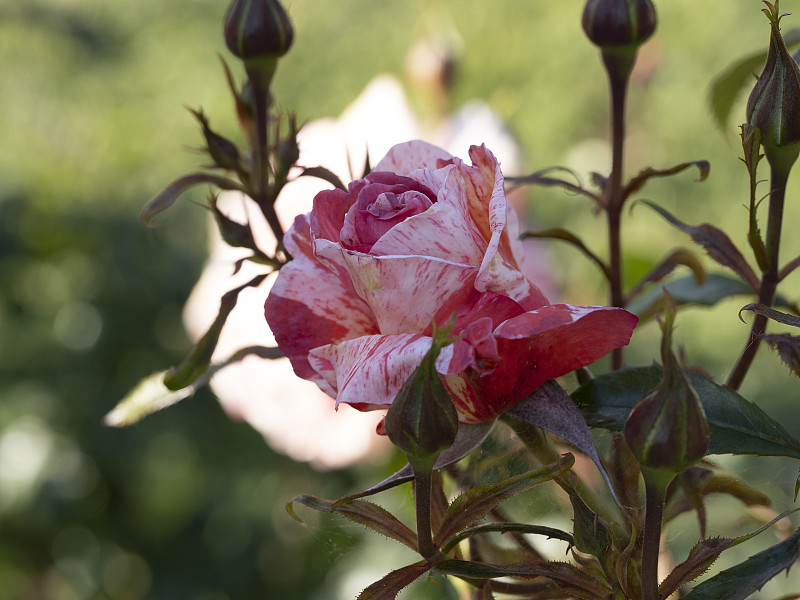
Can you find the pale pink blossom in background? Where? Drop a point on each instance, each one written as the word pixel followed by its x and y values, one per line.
pixel 292 414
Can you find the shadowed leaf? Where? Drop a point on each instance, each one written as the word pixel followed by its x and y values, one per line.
pixel 737 583
pixel 716 243
pixel 637 182
pixel 391 585
pixel 665 267
pixel 737 426
pixel 570 579
pixel 551 408
pixel 788 348
pixel 325 175
pixel 558 233
pixel 549 532
pixel 169 194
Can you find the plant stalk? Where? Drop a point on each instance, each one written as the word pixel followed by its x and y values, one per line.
pixel 655 486
pixel 422 500
pixel 769 278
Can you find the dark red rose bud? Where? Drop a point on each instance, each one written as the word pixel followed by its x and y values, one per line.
pixel 667 430
pixel 258 29
pixel 619 22
pixel 774 104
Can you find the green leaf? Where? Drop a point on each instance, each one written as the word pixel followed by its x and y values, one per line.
pixel 737 583
pixel 686 290
pixel 570 579
pixel 199 359
pixel 388 587
pixel 167 197
pixel 476 503
pixel 362 512
pixel 667 266
pixel 549 532
pixel 557 233
pixel 737 426
pixel 727 86
pixel 151 394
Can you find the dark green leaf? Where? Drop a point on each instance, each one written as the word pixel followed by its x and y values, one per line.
pixel 468 438
pixel 716 243
pixel 391 585
pixel 362 512
pixel 476 503
pixel 737 426
pixel 558 233
pixel 169 194
pixel 686 290
pixel 571 579
pixel 194 365
pixel 665 267
pixel 727 86
pixel 737 583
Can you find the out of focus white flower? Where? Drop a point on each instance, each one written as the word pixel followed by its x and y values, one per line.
pixel 293 415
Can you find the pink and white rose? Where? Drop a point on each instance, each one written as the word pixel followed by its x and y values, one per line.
pixel 425 238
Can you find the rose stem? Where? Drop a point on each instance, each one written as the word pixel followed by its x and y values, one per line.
pixel 422 500
pixel 769 279
pixel 655 486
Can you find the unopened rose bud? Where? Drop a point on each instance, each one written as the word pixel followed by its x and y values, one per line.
pixel 667 430
pixel 258 29
pixel 222 151
pixel 611 23
pixel 422 420
pixel 774 104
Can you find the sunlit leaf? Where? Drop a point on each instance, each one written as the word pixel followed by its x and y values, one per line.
pixel 149 395
pixel 198 360
pixel 362 512
pixel 737 583
pixel 737 426
pixel 474 504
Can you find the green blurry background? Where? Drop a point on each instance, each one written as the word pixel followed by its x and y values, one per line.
pixel 188 504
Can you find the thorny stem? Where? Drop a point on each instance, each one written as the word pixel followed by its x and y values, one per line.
pixel 769 279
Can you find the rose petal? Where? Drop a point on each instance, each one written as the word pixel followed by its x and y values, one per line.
pixel 407 157
pixel 406 293
pixel 368 372
pixel 309 306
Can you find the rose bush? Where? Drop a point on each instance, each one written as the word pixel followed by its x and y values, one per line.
pixel 426 238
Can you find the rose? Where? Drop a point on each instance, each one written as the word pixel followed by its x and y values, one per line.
pixel 425 238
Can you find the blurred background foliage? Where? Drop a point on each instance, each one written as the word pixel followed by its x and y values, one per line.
pixel 189 504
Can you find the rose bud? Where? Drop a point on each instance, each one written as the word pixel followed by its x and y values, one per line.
pixel 258 29
pixel 667 430
pixel 422 421
pixel 619 22
pixel 774 104
pixel 222 151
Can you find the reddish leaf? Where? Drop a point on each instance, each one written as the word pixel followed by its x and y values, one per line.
pixel 391 585
pixel 788 348
pixel 718 245
pixel 557 233
pixel 476 503
pixel 637 183
pixel 169 194
pixel 665 267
